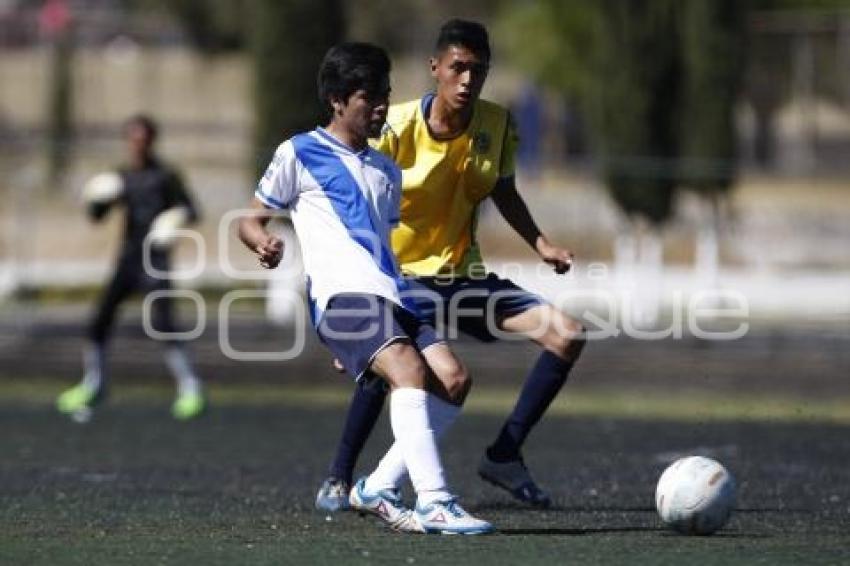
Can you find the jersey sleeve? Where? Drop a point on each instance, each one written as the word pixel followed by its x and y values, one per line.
pixel 278 187
pixel 507 163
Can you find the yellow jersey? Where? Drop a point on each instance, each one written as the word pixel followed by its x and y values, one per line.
pixel 443 184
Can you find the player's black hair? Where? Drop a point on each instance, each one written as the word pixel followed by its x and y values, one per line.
pixel 463 33
pixel 145 121
pixel 349 67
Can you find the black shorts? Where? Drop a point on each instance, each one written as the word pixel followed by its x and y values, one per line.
pixel 480 304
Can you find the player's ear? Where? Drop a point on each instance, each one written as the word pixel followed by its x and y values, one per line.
pixel 434 63
pixel 337 105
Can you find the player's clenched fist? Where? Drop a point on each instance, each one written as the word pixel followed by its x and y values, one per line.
pixel 559 258
pixel 270 251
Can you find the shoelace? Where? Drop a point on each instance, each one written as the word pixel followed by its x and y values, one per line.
pixel 391 495
pixel 453 507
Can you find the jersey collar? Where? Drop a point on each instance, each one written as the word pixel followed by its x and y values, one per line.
pixel 425 109
pixel 325 135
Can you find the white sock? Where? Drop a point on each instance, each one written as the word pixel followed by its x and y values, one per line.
pixel 93 366
pixel 178 362
pixel 417 443
pixel 391 469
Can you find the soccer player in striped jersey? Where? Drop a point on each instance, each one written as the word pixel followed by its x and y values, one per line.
pixel 343 197
pixel 455 150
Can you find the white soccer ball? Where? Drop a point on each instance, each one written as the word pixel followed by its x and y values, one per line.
pixel 695 495
pixel 103 188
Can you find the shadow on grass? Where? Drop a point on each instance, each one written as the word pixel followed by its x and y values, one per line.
pixel 613 530
pixel 520 507
pixel 757 510
pixel 721 534
pixel 577 531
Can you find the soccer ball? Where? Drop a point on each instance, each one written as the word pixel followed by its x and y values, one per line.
pixel 695 495
pixel 103 188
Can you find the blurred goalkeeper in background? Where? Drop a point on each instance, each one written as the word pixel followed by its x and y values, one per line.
pixel 157 205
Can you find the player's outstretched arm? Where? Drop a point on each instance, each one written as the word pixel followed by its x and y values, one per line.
pixel 514 210
pixel 253 233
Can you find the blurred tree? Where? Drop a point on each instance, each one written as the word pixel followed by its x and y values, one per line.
pixel 409 26
pixel 211 26
pixel 288 40
pixel 56 26
pixel 60 127
pixel 620 61
pixel 566 36
pixel 801 5
pixel 767 87
pixel 713 52
pixel 632 104
pixel 658 82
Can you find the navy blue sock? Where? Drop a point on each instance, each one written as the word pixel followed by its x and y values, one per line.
pixel 363 413
pixel 541 386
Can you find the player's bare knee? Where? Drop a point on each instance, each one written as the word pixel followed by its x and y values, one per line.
pixel 400 365
pixel 568 341
pixel 408 376
pixel 451 381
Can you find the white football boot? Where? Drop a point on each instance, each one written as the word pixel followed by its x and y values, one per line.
pixel 449 518
pixel 386 505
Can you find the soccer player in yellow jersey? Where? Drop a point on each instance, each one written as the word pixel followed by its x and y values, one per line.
pixel 456 150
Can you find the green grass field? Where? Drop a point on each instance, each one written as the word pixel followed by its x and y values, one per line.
pixel 134 487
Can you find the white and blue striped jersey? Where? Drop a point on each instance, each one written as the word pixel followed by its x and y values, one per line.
pixel 343 205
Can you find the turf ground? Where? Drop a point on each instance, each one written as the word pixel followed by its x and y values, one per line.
pixel 134 487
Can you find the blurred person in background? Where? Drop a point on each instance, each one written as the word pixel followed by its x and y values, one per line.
pixel 456 150
pixel 156 204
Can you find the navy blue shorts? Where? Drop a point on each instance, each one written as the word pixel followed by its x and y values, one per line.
pixel 473 306
pixel 356 327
